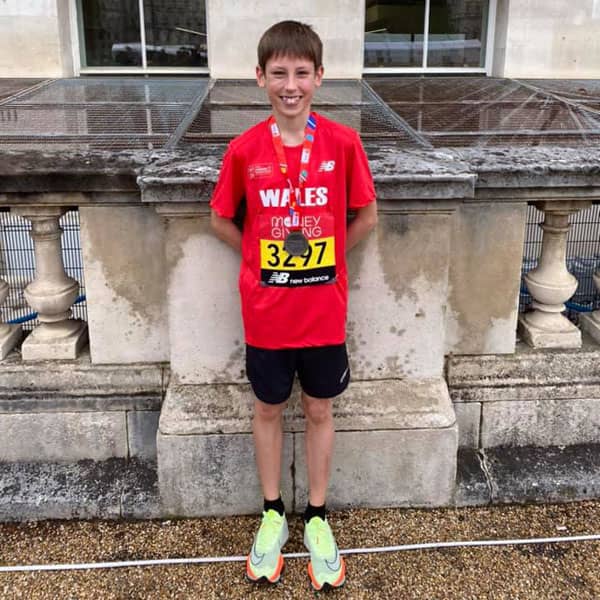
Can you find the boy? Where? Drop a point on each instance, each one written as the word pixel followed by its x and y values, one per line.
pixel 298 172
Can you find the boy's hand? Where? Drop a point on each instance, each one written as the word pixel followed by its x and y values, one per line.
pixel 364 221
pixel 226 230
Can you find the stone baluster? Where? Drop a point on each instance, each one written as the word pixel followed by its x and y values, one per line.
pixel 10 335
pixel 550 284
pixel 591 322
pixel 52 292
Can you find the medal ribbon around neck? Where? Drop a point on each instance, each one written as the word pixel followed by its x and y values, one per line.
pixel 307 144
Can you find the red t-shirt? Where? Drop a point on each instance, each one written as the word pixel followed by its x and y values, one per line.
pixel 294 302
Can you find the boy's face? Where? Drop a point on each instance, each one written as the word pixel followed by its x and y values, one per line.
pixel 290 84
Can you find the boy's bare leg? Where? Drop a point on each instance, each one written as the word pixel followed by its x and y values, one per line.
pixel 319 438
pixel 267 427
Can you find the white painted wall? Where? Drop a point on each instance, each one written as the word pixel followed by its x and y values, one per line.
pixel 234 28
pixel 548 38
pixel 35 38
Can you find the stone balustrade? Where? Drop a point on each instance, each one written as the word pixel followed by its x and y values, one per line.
pixel 439 277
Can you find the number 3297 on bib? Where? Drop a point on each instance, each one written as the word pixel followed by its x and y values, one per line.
pixel 315 267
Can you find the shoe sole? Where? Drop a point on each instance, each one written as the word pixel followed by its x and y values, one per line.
pixel 275 578
pixel 327 587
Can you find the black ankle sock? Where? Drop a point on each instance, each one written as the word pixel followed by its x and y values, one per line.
pixel 314 511
pixel 276 505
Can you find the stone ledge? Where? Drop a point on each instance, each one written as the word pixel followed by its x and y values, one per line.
pixel 527 374
pixel 79 385
pixel 111 489
pixel 366 405
pixel 398 172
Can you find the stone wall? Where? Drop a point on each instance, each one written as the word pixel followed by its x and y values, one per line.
pixel 35 38
pixel 547 39
pixel 432 327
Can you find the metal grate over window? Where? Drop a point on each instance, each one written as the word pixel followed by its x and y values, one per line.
pixel 99 113
pixel 231 107
pixel 17 263
pixel 583 257
pixel 463 111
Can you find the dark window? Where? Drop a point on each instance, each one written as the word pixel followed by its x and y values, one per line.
pixel 175 32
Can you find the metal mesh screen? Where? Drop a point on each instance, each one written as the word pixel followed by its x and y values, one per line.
pixel 580 90
pixel 11 87
pixel 17 263
pixel 231 107
pixel 102 113
pixel 463 111
pixel 583 257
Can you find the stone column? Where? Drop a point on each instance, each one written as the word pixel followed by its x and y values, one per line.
pixel 550 284
pixel 52 292
pixel 591 322
pixel 9 334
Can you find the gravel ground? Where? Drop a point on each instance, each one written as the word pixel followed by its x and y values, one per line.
pixel 564 571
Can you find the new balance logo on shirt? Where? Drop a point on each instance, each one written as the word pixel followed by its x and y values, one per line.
pixel 327 166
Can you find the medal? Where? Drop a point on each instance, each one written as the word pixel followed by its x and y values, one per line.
pixel 295 243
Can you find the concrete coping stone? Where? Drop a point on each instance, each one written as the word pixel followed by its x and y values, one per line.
pixel 78 378
pixel 388 404
pixel 405 172
pixel 527 366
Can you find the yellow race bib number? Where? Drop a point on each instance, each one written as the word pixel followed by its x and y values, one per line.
pixel 315 267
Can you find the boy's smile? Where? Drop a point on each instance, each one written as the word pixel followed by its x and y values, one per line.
pixel 290 84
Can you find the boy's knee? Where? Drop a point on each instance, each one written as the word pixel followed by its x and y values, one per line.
pixel 268 412
pixel 317 410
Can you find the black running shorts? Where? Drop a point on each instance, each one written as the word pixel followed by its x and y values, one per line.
pixel 323 371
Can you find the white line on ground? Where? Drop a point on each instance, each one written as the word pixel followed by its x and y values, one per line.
pixel 225 559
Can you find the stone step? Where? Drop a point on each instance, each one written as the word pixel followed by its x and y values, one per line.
pixel 396 445
pixel 528 474
pixel 128 489
pixel 110 489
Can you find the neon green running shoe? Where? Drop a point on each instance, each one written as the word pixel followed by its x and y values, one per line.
pixel 326 567
pixel 265 561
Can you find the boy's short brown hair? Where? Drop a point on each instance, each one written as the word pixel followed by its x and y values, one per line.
pixel 290 38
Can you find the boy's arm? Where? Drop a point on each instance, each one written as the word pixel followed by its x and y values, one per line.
pixel 226 230
pixel 364 221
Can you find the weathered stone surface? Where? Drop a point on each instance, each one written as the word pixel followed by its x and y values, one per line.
pixel 591 325
pixel 37 346
pixel 472 486
pixel 404 265
pixel 532 397
pixel 73 386
pixel 386 468
pixel 540 423
pixel 123 252
pixel 532 167
pixel 547 172
pixel 111 489
pixel 365 405
pixel 199 422
pixel 526 375
pixel 484 278
pixel 205 328
pixel 202 475
pixel 62 437
pixel 10 336
pixel 468 417
pixel 569 337
pixel 544 474
pixel 139 491
pixel 142 426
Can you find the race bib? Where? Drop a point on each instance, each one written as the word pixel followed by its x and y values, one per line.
pixel 315 267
